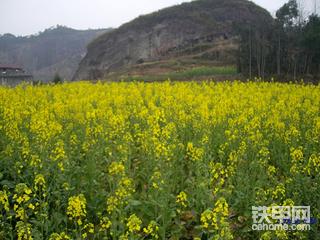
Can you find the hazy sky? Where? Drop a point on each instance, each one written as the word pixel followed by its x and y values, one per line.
pixel 25 17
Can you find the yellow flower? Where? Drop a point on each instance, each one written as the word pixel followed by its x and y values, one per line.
pixel 266 236
pixel 205 218
pixel 116 168
pixel 216 216
pixel 271 170
pixel 157 182
pixel 31 206
pixel 20 212
pixel 77 208
pixel 124 236
pixel 152 230
pixel 279 192
pixel 58 152
pixel 296 154
pixel 216 220
pixel 39 182
pixel 296 160
pixel 21 198
pixel 4 200
pixel 105 224
pixel 66 186
pixel 35 161
pixel 23 231
pixel 182 199
pixel 112 203
pixel 313 165
pixel 61 236
pixel 124 190
pixel 88 229
pixel 194 153
pixel 134 223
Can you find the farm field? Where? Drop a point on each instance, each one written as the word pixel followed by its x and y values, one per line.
pixel 156 160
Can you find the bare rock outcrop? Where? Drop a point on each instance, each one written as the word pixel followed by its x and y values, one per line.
pixel 180 30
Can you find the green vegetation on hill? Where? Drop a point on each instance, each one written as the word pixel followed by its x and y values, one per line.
pixel 57 49
pixel 188 74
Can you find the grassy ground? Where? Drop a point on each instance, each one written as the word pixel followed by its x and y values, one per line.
pixel 203 72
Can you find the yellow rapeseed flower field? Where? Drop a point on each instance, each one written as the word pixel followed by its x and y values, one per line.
pixel 156 160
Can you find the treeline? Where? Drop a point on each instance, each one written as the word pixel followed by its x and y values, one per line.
pixel 288 49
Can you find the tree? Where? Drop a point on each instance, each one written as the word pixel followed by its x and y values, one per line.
pixel 255 49
pixel 287 15
pixel 57 79
pixel 286 18
pixel 291 56
pixel 311 43
pixel 295 46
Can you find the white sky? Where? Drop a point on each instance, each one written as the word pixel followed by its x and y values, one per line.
pixel 25 17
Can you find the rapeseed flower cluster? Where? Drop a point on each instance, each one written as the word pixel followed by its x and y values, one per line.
pixel 4 200
pixel 182 199
pixel 22 198
pixel 23 231
pixel 105 224
pixel 121 194
pixel 157 180
pixel 116 168
pixel 57 236
pixel 152 230
pixel 134 224
pixel 216 220
pixel 194 153
pixel 39 182
pixel 77 208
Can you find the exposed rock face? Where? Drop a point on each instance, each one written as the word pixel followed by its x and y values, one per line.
pixel 184 29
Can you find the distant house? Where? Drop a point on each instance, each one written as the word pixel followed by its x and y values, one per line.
pixel 11 75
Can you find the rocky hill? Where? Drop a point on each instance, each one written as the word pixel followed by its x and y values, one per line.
pixel 55 50
pixel 202 32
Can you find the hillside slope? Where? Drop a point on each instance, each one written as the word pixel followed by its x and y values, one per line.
pixel 56 50
pixel 201 32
